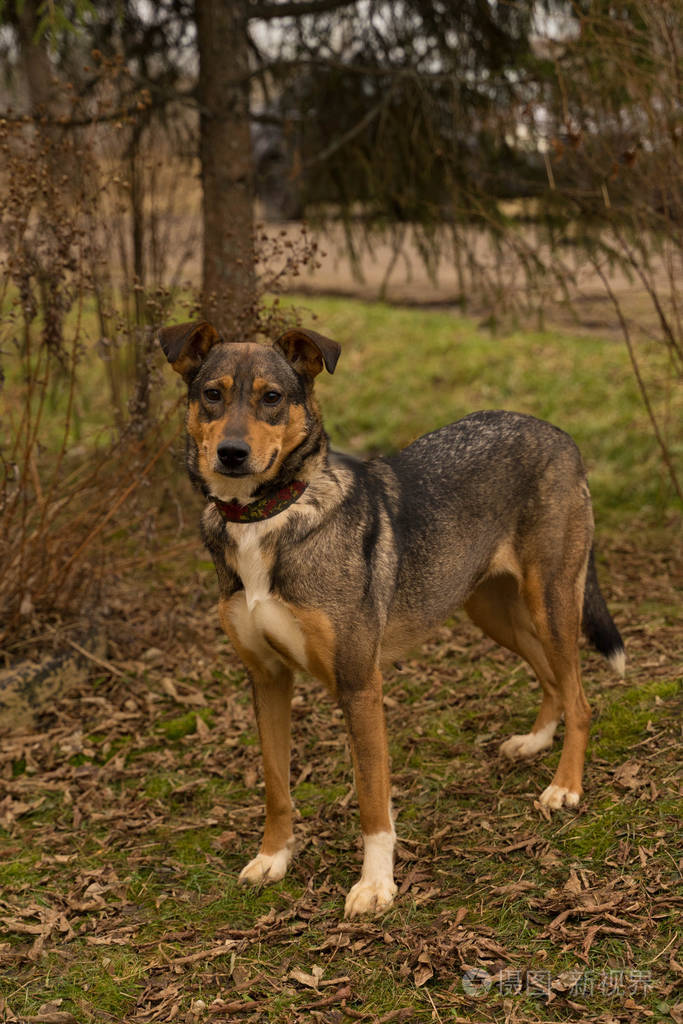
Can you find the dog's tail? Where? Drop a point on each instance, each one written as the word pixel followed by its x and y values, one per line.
pixel 597 624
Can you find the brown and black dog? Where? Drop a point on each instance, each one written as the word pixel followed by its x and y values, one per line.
pixel 333 565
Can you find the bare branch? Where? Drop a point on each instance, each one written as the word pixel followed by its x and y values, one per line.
pixel 666 455
pixel 371 114
pixel 294 9
pixel 133 109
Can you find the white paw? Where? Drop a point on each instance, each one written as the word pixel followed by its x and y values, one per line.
pixel 519 748
pixel 370 897
pixel 558 796
pixel 266 867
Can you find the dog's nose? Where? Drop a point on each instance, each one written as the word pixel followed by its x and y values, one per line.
pixel 232 454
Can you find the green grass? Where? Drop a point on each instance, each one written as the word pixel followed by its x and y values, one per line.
pixel 97 372
pixel 160 816
pixel 625 721
pixel 185 725
pixel 404 372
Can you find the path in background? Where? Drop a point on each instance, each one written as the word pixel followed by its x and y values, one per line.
pixel 379 273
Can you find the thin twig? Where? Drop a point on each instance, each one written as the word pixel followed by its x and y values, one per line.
pixel 641 384
pixel 120 501
pixel 98 661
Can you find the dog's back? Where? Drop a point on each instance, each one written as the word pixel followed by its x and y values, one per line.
pixel 481 497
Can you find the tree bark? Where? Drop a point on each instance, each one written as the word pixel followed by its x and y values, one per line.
pixel 54 160
pixel 229 278
pixel 34 58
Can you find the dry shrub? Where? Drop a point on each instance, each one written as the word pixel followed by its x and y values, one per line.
pixel 616 176
pixel 67 483
pixel 97 230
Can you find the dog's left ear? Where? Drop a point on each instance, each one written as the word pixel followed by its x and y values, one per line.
pixel 307 351
pixel 187 345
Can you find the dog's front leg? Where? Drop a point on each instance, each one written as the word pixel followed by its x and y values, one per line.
pixel 272 693
pixel 364 715
pixel 271 682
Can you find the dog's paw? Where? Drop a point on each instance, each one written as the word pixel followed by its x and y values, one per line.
pixel 266 868
pixel 555 797
pixel 370 897
pixel 521 748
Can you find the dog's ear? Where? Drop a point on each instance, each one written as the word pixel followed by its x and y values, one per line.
pixel 307 351
pixel 187 345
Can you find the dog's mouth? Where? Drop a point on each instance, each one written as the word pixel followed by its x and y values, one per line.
pixel 238 467
pixel 234 472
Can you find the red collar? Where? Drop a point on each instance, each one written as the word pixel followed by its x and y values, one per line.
pixel 262 508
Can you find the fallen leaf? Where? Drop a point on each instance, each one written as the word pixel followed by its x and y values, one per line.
pixel 625 775
pixel 566 981
pixel 169 687
pixel 311 980
pixel 422 974
pixel 52 1017
pixel 573 883
pixel 203 731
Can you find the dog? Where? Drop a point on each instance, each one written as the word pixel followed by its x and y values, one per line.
pixel 335 566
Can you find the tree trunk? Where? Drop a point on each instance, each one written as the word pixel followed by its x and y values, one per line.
pixel 55 162
pixel 229 280
pixel 34 58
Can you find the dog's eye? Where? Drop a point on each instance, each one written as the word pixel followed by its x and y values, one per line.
pixel 271 397
pixel 212 394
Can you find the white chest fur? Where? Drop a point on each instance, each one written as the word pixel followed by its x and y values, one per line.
pixel 252 567
pixel 263 622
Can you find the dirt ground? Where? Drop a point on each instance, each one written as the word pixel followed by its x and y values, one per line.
pixel 380 271
pixel 128 813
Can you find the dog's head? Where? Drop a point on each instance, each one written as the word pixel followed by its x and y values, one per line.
pixel 250 406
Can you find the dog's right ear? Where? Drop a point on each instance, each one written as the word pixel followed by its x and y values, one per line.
pixel 187 345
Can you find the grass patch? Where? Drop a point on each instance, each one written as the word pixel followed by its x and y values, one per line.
pixel 625 722
pixel 185 725
pixel 405 372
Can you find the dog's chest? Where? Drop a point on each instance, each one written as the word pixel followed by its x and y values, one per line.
pixel 262 620
pixel 254 568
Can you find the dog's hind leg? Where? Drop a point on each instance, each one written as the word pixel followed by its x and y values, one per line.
pixel 498 608
pixel 364 714
pixel 554 601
